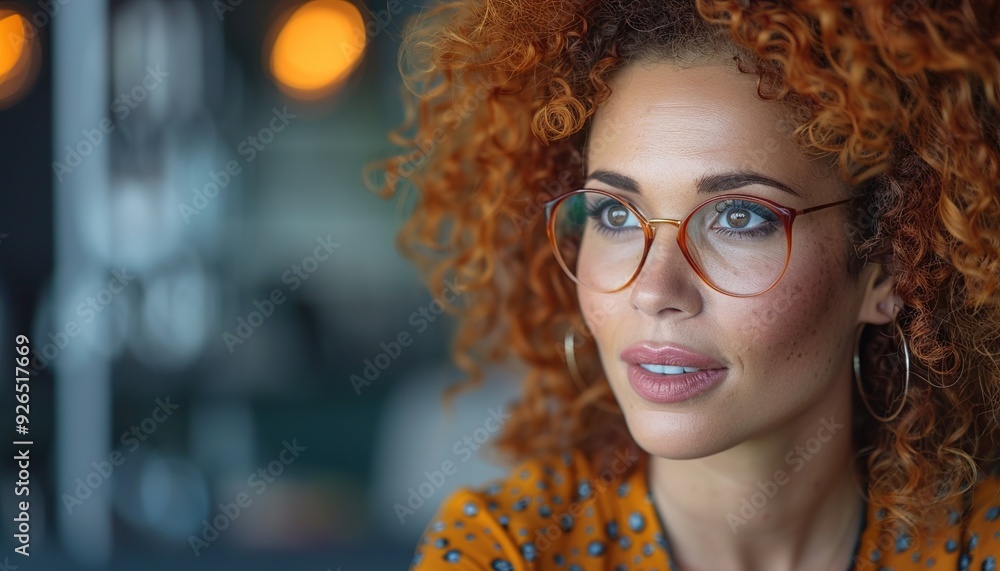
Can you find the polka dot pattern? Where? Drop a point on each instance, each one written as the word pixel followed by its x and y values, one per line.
pixel 584 521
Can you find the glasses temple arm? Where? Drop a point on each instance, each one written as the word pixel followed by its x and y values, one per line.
pixel 822 206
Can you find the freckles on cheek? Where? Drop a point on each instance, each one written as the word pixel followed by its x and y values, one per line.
pixel 784 324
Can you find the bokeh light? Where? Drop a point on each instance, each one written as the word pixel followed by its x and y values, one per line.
pixel 11 26
pixel 19 57
pixel 317 47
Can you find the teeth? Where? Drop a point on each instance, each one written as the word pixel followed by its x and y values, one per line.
pixel 667 369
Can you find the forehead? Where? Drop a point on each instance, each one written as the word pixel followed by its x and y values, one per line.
pixel 664 122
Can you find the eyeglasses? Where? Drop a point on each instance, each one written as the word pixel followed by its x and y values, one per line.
pixel 738 244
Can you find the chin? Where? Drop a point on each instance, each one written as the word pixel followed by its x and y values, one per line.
pixel 678 435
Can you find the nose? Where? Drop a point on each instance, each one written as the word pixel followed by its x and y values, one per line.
pixel 666 284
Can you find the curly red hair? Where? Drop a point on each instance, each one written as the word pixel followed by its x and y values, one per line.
pixel 903 98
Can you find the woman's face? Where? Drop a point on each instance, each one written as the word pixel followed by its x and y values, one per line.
pixel 782 353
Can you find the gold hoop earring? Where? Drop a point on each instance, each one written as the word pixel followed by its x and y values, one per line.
pixel 857 374
pixel 569 346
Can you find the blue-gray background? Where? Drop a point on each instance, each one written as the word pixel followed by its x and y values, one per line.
pixel 127 296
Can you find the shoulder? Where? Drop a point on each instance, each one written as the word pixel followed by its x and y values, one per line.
pixel 964 542
pixel 557 512
pixel 983 535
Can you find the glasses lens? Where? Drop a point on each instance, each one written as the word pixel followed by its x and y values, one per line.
pixel 598 240
pixel 739 245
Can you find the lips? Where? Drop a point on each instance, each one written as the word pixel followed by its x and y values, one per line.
pixel 669 357
pixel 670 374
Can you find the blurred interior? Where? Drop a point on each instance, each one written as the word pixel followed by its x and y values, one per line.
pixel 218 314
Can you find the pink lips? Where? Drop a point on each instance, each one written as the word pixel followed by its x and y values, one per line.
pixel 663 388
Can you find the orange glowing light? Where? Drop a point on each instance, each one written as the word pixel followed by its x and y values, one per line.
pixel 20 57
pixel 317 47
pixel 12 34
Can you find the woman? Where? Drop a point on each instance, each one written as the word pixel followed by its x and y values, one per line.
pixel 749 250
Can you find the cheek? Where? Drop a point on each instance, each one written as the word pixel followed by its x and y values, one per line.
pixel 605 315
pixel 599 310
pixel 803 318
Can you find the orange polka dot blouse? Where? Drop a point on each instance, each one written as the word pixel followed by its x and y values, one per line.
pixel 562 515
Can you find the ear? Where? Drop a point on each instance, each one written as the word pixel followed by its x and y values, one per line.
pixel 881 303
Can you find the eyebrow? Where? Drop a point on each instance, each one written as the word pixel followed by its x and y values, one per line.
pixel 705 185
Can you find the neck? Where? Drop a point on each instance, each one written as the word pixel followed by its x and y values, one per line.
pixel 789 499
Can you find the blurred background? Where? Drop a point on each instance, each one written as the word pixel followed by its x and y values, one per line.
pixel 229 364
